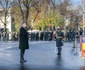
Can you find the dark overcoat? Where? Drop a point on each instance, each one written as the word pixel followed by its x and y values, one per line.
pixel 23 39
pixel 59 42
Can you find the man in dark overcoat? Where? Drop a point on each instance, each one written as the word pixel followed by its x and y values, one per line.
pixel 23 42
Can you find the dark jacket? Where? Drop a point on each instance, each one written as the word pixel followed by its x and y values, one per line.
pixel 23 39
pixel 81 32
pixel 59 42
pixel 73 35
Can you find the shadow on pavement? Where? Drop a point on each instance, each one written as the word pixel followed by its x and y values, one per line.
pixel 23 67
pixel 59 61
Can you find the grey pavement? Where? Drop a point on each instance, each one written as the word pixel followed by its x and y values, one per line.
pixel 42 55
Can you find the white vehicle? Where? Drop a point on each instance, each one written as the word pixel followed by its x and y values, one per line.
pixel 30 31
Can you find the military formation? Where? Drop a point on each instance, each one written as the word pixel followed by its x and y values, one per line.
pixel 43 36
pixel 69 35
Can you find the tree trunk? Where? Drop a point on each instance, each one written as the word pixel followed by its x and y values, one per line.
pixel 4 27
pixel 4 32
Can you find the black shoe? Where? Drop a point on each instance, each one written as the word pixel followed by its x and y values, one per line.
pixel 59 54
pixel 73 47
pixel 25 60
pixel 21 61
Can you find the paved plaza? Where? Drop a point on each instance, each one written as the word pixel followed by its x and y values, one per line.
pixel 42 55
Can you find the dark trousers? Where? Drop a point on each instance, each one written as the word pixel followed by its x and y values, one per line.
pixel 59 50
pixel 22 52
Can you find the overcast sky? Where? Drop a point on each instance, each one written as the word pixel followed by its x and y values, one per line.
pixel 76 2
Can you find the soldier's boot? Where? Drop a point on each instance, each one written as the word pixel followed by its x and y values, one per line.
pixel 73 44
pixel 59 51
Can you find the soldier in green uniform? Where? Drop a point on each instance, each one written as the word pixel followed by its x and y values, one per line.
pixel 59 38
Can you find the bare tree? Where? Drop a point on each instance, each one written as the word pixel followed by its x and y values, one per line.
pixel 5 8
pixel 24 6
pixel 38 4
pixel 60 5
pixel 37 7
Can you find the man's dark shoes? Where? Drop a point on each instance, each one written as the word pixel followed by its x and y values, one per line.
pixel 59 54
pixel 23 61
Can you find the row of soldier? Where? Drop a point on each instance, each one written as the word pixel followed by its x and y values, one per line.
pixel 4 36
pixel 72 34
pixel 48 36
pixel 44 36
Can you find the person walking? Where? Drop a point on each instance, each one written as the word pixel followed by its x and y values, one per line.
pixel 23 42
pixel 59 43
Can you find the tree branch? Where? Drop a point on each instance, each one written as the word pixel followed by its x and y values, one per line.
pixel 1 20
pixel 2 5
pixel 20 6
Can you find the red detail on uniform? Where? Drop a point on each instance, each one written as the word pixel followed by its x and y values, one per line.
pixel 83 53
